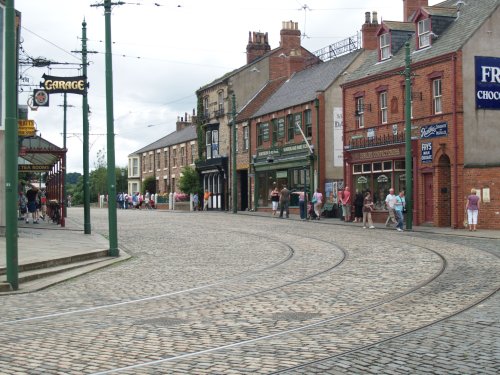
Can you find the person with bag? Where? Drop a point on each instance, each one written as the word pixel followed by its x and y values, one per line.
pixel 275 199
pixel 367 210
pixel 317 200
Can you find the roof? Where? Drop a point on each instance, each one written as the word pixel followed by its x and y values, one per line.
pixel 441 11
pixel 303 86
pixel 472 15
pixel 259 99
pixel 174 138
pixel 400 26
pixel 39 151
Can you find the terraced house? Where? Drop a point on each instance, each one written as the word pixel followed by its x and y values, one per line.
pixel 454 48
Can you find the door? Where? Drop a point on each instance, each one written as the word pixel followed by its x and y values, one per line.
pixel 428 198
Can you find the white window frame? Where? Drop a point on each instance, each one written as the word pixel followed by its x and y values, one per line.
pixel 424 33
pixel 245 138
pixel 385 46
pixel 383 107
pixel 437 96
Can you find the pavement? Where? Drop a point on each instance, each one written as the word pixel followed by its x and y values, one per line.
pixel 217 293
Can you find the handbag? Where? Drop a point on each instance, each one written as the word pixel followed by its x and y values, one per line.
pixel 314 199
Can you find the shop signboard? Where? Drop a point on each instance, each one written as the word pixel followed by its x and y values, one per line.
pixel 434 130
pixel 426 156
pixel 26 128
pixel 487 76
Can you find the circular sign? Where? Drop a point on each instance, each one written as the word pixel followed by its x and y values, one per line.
pixel 40 98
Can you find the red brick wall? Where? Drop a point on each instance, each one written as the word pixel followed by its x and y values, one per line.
pixel 480 178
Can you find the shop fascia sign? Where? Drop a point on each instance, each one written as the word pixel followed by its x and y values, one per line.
pixel 26 128
pixel 487 76
pixel 285 150
pixel 69 85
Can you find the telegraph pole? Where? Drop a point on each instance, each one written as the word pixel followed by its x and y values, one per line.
pixel 408 157
pixel 11 147
pixel 65 110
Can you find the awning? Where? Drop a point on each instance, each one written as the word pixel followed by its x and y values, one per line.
pixel 38 154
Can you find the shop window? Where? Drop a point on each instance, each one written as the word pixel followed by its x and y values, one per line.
pixel 399 165
pixel 381 185
pixel 387 166
pixel 399 182
pixel 357 168
pixel 367 168
pixel 362 183
pixel 377 167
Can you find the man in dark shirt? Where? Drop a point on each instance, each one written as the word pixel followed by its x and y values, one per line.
pixel 284 201
pixel 32 195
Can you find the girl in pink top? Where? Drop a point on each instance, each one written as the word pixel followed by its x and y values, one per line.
pixel 472 209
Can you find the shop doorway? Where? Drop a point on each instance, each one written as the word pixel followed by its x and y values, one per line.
pixel 428 198
pixel 443 172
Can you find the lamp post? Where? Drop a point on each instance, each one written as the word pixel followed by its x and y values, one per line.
pixel 233 152
pixel 408 158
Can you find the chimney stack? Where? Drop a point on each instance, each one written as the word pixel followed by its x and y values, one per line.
pixel 369 32
pixel 411 6
pixel 258 45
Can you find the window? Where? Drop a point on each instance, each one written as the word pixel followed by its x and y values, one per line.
pixel 220 103
pixel 437 96
pixel 424 33
pixel 275 130
pixel 165 157
pixel 383 107
pixel 281 128
pixel 360 112
pixel 144 166
pixel 262 133
pixel 289 123
pixel 212 144
pixel 205 107
pixel 183 156
pixel 151 161
pixel 236 139
pixel 245 138
pixel 385 46
pixel 174 158
pixel 297 122
pixel 193 153
pixel 308 122
pixel 158 160
pixel 135 167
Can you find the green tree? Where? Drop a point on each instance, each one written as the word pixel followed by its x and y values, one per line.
pixel 189 182
pixel 149 184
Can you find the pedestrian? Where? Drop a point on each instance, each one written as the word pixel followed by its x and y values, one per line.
pixel 346 204
pixel 206 198
pixel 147 204
pixel 390 200
pixel 23 208
pixel 32 195
pixel 284 201
pixel 367 210
pixel 195 201
pixel 399 206
pixel 472 208
pixel 275 199
pixel 317 200
pixel 69 200
pixel 302 204
pixel 358 206
pixel 43 202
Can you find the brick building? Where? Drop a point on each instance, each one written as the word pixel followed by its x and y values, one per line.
pixel 259 77
pixel 165 158
pixel 455 86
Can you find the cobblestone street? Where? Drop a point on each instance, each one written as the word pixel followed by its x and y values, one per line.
pixel 217 293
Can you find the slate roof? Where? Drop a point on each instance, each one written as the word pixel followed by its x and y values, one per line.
pixel 472 15
pixel 174 138
pixel 302 86
pixel 403 26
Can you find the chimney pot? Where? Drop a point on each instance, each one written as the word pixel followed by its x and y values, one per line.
pixel 367 17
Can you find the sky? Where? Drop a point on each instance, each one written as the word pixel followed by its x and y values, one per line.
pixel 162 52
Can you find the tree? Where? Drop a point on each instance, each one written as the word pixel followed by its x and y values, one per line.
pixel 189 182
pixel 149 184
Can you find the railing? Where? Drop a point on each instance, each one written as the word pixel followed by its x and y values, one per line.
pixel 340 48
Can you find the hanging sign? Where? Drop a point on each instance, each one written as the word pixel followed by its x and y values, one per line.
pixel 40 98
pixel 426 152
pixel 70 85
pixel 26 128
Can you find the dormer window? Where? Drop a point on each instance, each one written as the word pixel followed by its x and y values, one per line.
pixel 385 46
pixel 424 33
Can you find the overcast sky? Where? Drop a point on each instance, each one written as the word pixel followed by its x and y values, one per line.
pixel 163 51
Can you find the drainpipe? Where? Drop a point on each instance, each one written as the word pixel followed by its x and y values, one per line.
pixel 316 104
pixel 455 140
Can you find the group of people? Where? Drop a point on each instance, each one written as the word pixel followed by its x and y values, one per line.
pixel 32 203
pixel 197 203
pixel 136 200
pixel 281 199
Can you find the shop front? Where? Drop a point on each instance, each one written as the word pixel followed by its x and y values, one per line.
pixel 288 166
pixel 214 174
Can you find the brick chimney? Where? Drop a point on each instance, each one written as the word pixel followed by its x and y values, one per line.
pixel 290 36
pixel 369 32
pixel 183 122
pixel 411 6
pixel 258 45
